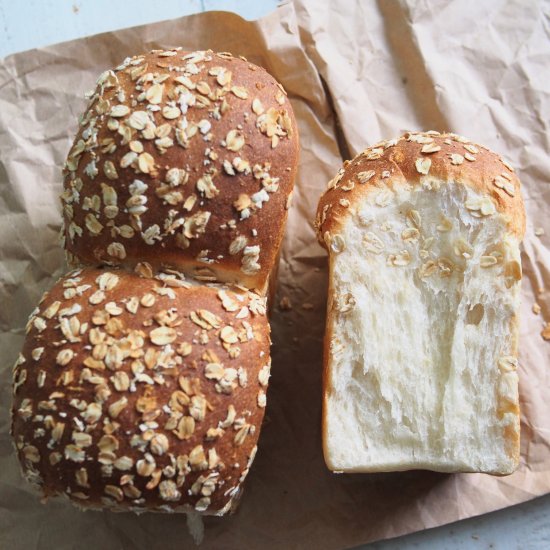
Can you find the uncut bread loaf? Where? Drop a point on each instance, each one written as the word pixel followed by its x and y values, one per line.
pixel 141 393
pixel 421 344
pixel 183 160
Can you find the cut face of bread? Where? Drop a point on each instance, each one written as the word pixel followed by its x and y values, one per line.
pixel 421 338
pixel 425 296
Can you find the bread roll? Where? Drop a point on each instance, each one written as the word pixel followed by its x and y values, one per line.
pixel 421 343
pixel 141 393
pixel 185 160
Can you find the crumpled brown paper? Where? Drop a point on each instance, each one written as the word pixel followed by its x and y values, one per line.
pixel 356 73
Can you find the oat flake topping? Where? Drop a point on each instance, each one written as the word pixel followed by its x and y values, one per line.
pixel 176 151
pixel 144 400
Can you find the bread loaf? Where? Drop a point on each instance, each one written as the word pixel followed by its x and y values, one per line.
pixel 183 160
pixel 137 389
pixel 141 393
pixel 421 343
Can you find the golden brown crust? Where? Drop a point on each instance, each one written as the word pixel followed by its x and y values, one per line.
pixel 415 158
pixel 327 386
pixel 511 432
pixel 167 378
pixel 212 143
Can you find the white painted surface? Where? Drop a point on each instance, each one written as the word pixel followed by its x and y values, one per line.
pixel 522 527
pixel 26 24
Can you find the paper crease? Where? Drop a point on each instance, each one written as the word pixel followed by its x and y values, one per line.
pixel 370 70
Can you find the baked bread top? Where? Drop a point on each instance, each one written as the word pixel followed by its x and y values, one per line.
pixel 424 158
pixel 185 160
pixel 136 392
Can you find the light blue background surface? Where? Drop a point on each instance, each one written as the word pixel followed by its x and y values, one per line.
pixel 26 24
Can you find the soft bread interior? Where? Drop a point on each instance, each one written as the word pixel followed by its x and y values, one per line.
pixel 422 334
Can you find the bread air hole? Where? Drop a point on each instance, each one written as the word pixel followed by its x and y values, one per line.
pixel 475 314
